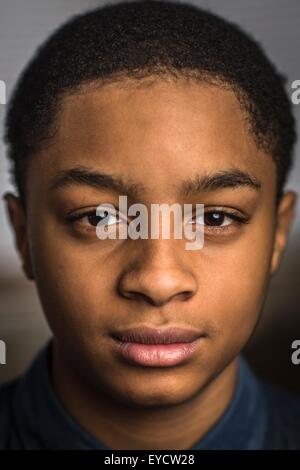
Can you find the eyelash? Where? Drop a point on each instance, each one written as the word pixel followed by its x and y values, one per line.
pixel 234 216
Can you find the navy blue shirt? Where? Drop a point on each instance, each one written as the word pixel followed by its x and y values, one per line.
pixel 259 416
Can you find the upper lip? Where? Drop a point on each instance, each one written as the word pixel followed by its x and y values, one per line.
pixel 148 335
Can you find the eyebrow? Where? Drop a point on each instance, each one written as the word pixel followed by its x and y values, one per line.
pixel 230 178
pixel 95 179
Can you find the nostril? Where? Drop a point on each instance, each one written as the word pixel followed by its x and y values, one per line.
pixel 134 295
pixel 157 288
pixel 186 295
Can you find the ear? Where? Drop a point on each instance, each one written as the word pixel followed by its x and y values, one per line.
pixel 17 217
pixel 285 215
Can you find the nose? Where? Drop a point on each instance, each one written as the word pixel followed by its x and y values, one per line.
pixel 157 276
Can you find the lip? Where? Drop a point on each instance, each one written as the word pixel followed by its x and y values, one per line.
pixel 154 347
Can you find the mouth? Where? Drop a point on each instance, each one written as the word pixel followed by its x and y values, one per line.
pixel 154 347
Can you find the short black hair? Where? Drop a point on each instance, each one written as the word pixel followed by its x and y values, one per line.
pixel 149 38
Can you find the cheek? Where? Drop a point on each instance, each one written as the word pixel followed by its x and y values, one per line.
pixel 73 281
pixel 237 281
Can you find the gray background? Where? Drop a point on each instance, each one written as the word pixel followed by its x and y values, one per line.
pixel 26 23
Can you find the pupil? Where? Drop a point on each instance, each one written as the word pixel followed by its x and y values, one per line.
pixel 94 219
pixel 214 218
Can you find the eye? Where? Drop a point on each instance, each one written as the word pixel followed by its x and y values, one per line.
pixel 215 218
pixel 220 220
pixel 103 217
pixel 92 218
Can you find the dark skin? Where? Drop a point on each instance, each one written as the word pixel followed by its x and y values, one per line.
pixel 156 136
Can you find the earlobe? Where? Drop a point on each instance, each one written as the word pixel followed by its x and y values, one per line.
pixel 285 215
pixel 17 218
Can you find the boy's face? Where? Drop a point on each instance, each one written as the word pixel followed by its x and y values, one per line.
pixel 157 137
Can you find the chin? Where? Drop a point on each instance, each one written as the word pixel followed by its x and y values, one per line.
pixel 159 393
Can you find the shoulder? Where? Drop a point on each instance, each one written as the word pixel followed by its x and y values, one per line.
pixel 6 392
pixel 6 414
pixel 283 431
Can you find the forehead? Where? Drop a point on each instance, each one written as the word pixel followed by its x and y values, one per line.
pixel 155 133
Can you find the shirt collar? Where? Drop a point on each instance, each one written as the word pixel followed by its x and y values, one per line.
pixel 42 422
pixel 243 424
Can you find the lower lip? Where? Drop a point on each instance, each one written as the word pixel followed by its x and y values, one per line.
pixel 156 355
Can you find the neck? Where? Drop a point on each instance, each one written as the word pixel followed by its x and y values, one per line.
pixel 118 426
